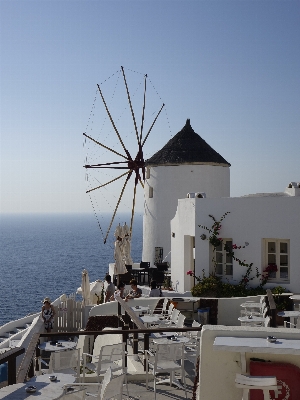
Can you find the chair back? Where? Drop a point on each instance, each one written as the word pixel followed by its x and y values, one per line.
pixel 73 395
pixel 175 315
pixel 162 266
pixel 65 360
pixel 180 321
pixel 111 387
pixel 168 352
pixel 170 309
pixel 112 355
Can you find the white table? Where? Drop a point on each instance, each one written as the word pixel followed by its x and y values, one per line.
pixel 295 297
pixel 66 345
pixel 245 345
pixel 46 390
pixel 253 320
pixel 150 319
pixel 293 315
pixel 140 309
pixel 180 339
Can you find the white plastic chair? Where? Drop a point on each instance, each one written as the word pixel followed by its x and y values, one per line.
pixel 168 358
pixel 67 361
pixel 287 324
pixel 108 389
pixel 264 383
pixel 111 387
pixel 111 356
pixel 77 394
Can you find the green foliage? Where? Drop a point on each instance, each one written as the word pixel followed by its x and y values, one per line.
pixel 212 286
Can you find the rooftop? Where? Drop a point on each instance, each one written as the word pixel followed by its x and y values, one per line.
pixel 187 147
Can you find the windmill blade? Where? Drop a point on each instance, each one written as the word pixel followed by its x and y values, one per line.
pixel 144 106
pixel 107 148
pixel 107 165
pixel 133 206
pixel 113 124
pixel 146 137
pixel 107 183
pixel 129 100
pixel 118 203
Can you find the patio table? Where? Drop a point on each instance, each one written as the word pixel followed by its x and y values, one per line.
pixel 245 345
pixel 180 339
pixel 140 309
pixel 45 389
pixel 254 319
pixel 66 345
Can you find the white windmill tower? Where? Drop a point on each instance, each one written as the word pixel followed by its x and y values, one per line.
pixel 186 164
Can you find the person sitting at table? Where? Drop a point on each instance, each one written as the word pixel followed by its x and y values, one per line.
pixel 155 291
pixel 119 291
pixel 48 313
pixel 110 289
pixel 135 292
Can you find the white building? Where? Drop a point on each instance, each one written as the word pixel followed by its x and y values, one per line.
pixel 185 164
pixel 269 222
pixel 186 181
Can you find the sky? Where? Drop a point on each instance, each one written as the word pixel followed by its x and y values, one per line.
pixel 232 67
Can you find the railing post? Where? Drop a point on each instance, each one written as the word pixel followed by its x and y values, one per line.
pixel 11 371
pixel 146 347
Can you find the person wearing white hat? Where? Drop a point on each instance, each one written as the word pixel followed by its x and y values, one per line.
pixel 48 313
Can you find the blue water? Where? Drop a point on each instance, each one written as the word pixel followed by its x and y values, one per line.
pixel 44 255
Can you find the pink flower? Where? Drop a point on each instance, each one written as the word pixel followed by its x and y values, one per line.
pixel 190 273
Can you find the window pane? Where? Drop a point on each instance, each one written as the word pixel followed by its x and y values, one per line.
pixel 229 270
pixel 219 248
pixel 271 247
pixel 271 258
pixel 284 273
pixel 283 248
pixel 272 275
pixel 228 258
pixel 219 269
pixel 219 257
pixel 284 260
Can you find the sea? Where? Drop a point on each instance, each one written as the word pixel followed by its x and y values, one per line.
pixel 44 255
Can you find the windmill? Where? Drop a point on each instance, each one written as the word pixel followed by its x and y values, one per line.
pixel 127 165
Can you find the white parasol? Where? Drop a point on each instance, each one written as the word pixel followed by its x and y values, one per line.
pixel 127 245
pixel 85 287
pixel 118 254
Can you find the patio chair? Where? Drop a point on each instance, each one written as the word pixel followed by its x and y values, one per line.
pixel 110 387
pixel 287 324
pixel 75 394
pixel 166 359
pixel 110 356
pixel 67 361
pixel 264 383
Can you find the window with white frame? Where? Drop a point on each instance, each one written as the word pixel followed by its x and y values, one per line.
pixel 222 260
pixel 277 259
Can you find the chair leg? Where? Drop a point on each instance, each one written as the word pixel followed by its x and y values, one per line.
pixel 245 394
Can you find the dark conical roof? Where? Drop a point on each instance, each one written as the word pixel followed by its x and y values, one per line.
pixel 186 147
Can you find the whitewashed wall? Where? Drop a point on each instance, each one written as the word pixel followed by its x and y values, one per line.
pixel 169 184
pixel 251 219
